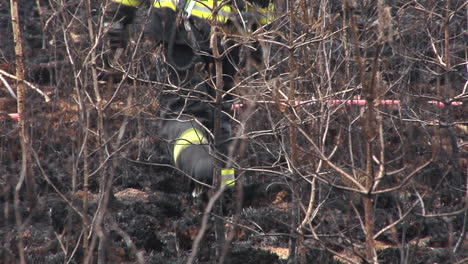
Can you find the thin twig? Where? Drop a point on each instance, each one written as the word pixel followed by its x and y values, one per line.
pixel 7 85
pixel 32 86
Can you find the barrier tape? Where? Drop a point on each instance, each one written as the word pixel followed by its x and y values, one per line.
pixel 441 105
pixel 347 102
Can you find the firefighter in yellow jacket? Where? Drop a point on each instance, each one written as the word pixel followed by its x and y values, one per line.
pixel 184 27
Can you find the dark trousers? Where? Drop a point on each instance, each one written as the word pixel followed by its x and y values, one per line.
pixel 191 146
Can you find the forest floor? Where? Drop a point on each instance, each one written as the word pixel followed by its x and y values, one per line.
pixel 152 213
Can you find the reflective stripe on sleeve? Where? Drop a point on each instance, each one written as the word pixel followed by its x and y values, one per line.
pixel 165 4
pixel 203 9
pixel 200 8
pixel 191 136
pixel 225 172
pixel 264 15
pixel 132 3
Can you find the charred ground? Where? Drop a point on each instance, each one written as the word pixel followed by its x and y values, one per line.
pixel 151 212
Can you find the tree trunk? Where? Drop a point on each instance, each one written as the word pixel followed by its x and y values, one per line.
pixel 20 87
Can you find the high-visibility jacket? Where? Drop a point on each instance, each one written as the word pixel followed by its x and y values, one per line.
pixel 204 9
pixel 184 41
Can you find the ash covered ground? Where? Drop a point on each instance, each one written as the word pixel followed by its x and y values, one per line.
pixel 151 213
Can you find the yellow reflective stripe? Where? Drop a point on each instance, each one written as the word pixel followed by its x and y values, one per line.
pixel 203 9
pixel 165 3
pixel 225 172
pixel 265 20
pixel 229 183
pixel 265 15
pixel 133 3
pixel 191 136
pixel 227 177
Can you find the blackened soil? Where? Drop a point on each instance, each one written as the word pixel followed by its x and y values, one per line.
pixel 151 212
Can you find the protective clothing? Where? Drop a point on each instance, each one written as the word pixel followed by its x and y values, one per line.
pixel 203 8
pixel 183 26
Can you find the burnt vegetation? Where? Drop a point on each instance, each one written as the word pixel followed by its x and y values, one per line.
pixel 350 144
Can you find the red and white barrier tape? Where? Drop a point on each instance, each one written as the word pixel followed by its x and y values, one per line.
pixel 16 116
pixel 349 102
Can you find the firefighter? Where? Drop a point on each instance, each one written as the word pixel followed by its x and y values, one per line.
pixel 187 117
